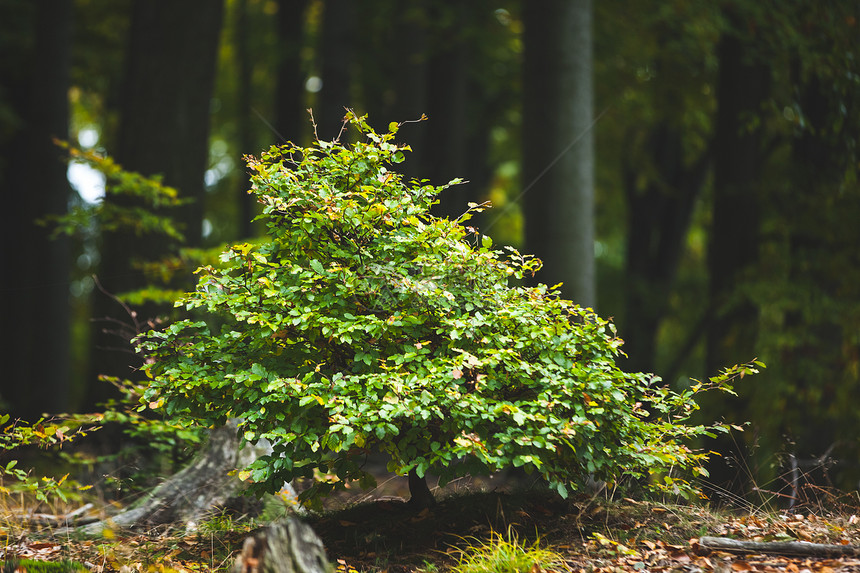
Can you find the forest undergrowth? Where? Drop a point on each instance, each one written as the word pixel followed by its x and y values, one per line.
pixel 475 527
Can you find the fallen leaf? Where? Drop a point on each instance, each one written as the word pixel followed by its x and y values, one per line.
pixel 41 546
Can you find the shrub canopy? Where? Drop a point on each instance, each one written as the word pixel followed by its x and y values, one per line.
pixel 362 322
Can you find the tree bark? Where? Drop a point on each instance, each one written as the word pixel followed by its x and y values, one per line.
pixel 420 495
pixel 337 49
pixel 734 235
pixel 790 548
pixel 287 547
pixel 245 68
pixel 658 218
pixel 735 227
pixel 558 145
pixel 290 113
pixel 445 155
pixel 164 129
pixel 35 293
pixel 393 83
pixel 190 494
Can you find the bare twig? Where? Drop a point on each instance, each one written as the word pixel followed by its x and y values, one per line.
pixel 132 314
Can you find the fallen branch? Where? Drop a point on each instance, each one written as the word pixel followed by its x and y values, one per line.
pixel 801 548
pixel 73 518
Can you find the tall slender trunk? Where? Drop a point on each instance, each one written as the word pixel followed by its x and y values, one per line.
pixel 558 145
pixel 35 291
pixel 245 68
pixel 337 56
pixel 735 226
pixel 164 129
pixel 734 238
pixel 659 216
pixel 290 113
pixel 392 84
pixel 446 155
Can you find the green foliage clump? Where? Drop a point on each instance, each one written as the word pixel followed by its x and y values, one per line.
pixel 506 555
pixel 365 323
pixel 142 201
pixel 16 435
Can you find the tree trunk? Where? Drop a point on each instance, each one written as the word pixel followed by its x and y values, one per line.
pixel 393 83
pixel 35 295
pixel 245 67
pixel 337 49
pixel 558 145
pixel 192 493
pixel 658 218
pixel 290 114
pixel 734 232
pixel 287 547
pixel 164 129
pixel 420 495
pixel 734 239
pixel 445 155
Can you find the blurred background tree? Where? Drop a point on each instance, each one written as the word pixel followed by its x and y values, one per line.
pixel 725 194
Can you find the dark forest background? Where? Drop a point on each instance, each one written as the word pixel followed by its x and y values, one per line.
pixel 687 167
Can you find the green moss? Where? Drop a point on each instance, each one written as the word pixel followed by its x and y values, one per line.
pixel 34 566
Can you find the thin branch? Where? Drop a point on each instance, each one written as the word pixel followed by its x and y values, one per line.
pixel 313 123
pixel 132 314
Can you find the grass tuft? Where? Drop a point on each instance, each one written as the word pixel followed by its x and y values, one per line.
pixel 505 554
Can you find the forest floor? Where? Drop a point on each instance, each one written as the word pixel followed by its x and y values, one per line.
pixel 381 535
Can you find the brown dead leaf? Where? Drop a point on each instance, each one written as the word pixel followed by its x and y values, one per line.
pixel 41 546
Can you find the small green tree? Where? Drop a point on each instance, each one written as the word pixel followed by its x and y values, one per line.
pixel 363 322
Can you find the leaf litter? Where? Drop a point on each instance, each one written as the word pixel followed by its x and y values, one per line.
pixel 383 535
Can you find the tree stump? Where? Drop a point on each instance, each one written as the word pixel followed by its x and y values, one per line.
pixel 289 546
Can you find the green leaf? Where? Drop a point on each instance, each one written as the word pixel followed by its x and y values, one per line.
pixel 317 266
